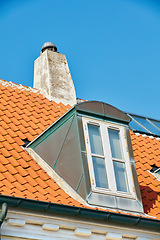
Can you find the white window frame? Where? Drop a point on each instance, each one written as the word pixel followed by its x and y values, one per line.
pixel 104 126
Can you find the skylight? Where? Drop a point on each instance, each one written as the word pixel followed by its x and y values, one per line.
pixel 145 125
pixel 155 171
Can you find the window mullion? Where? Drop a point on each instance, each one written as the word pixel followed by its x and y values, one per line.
pixel 108 158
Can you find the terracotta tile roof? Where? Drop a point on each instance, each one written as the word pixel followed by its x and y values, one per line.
pixel 147 153
pixel 24 114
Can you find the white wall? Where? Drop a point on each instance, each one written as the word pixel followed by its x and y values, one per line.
pixel 23 225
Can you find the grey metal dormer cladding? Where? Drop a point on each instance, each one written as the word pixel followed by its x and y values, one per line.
pixel 63 147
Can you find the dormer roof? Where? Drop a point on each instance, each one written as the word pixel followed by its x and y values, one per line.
pixel 24 115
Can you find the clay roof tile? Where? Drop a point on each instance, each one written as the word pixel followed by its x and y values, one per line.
pixel 24 115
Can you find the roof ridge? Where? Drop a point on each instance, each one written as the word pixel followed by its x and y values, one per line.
pixel 19 86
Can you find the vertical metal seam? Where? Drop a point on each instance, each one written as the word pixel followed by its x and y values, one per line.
pixel 63 143
pixel 79 182
pixel 103 109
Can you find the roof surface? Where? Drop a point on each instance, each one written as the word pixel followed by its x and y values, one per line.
pixel 24 114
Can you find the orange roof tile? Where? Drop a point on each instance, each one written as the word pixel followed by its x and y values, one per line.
pixel 25 114
pixel 148 183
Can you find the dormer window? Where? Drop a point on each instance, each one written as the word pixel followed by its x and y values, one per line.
pixel 90 149
pixel 108 158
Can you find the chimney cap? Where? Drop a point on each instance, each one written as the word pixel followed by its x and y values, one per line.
pixel 50 46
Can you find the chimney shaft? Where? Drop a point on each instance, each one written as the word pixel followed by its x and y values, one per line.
pixel 52 76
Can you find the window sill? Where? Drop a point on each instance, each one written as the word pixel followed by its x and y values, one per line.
pixel 116 194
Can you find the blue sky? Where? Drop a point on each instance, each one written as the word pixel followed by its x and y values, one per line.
pixel 112 47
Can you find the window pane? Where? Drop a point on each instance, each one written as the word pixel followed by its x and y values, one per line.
pixel 158 172
pixel 147 125
pixel 95 139
pixel 133 124
pixel 156 123
pixel 121 176
pixel 100 172
pixel 115 144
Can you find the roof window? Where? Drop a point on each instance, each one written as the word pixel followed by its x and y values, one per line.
pixel 156 171
pixel 144 125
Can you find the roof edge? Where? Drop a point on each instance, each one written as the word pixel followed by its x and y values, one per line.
pixel 107 216
pixel 18 86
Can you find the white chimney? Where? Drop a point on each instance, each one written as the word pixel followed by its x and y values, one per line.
pixel 52 76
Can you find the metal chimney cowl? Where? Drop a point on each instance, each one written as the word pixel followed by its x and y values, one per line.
pixel 52 76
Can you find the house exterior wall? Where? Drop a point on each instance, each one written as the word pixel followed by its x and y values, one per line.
pixel 42 226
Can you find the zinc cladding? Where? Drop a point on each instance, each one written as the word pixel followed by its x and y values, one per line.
pixel 24 114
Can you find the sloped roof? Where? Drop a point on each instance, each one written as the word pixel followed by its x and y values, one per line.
pixel 24 114
pixel 147 153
